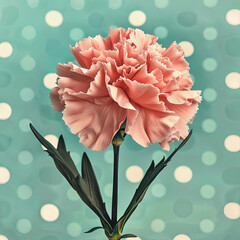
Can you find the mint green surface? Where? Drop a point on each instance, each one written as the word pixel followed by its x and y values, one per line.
pixel 170 208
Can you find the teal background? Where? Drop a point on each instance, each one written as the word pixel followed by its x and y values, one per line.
pixel 179 207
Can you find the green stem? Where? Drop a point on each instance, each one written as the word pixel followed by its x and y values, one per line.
pixel 115 184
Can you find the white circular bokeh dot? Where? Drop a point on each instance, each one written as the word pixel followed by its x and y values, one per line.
pixel 232 143
pixel 74 229
pixel 49 212
pixel 6 49
pixel 4 175
pixel 77 4
pixel 52 139
pixel 24 192
pixel 54 18
pixel 24 226
pixel 2 237
pixel 233 17
pixel 187 47
pixel 232 80
pixel 137 18
pixel 49 80
pixel 134 174
pixel 183 174
pixel 5 111
pixel 207 225
pixel 158 225
pixel 181 237
pixel 232 210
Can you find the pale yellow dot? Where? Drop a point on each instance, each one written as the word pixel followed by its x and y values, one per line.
pixel 52 139
pixel 54 18
pixel 49 212
pixel 134 174
pixel 49 80
pixel 232 210
pixel 187 48
pixel 5 111
pixel 183 174
pixel 232 143
pixel 6 50
pixel 2 237
pixel 182 237
pixel 233 17
pixel 232 80
pixel 137 18
pixel 4 175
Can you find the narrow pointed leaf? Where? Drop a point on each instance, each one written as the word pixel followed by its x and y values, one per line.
pixel 127 236
pixel 66 166
pixel 94 229
pixel 148 178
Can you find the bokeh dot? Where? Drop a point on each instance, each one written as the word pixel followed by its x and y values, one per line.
pixel 209 125
pixel 158 155
pixel 161 3
pixel 77 4
pixel 24 192
pixel 158 225
pixel 183 208
pixel 24 124
pixel 74 229
pixel 182 237
pixel 187 47
pixel 137 18
pixel 52 139
pixel 5 111
pixel 54 18
pixel 76 34
pixel 29 32
pixel 210 64
pixel 26 94
pixel 209 158
pixel 232 143
pixel 210 3
pixel 233 17
pixel 209 94
pixel 6 49
pixel 158 190
pixel 4 175
pixel 187 19
pixel 207 226
pixel 210 33
pixel 27 63
pixel 183 174
pixel 33 3
pixel 108 190
pixel 108 156
pixel 49 212
pixel 232 210
pixel 232 80
pixel 72 195
pixel 161 32
pixel 207 191
pixel 134 174
pixel 49 80
pixel 114 4
pixel 25 157
pixel 24 226
pixel 2 237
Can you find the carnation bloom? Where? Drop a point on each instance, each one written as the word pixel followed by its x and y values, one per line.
pixel 128 76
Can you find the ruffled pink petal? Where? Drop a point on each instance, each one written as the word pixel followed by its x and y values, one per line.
pixel 95 124
pixel 58 104
pixel 150 126
pixel 143 76
pixel 176 55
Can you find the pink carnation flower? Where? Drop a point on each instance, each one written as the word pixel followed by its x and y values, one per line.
pixel 128 76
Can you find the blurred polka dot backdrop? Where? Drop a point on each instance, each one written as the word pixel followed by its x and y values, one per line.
pixel 196 197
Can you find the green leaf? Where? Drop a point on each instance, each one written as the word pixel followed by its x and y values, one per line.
pixel 127 235
pixel 148 178
pixel 94 229
pixel 86 186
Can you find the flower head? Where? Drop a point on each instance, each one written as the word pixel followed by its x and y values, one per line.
pixel 128 76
